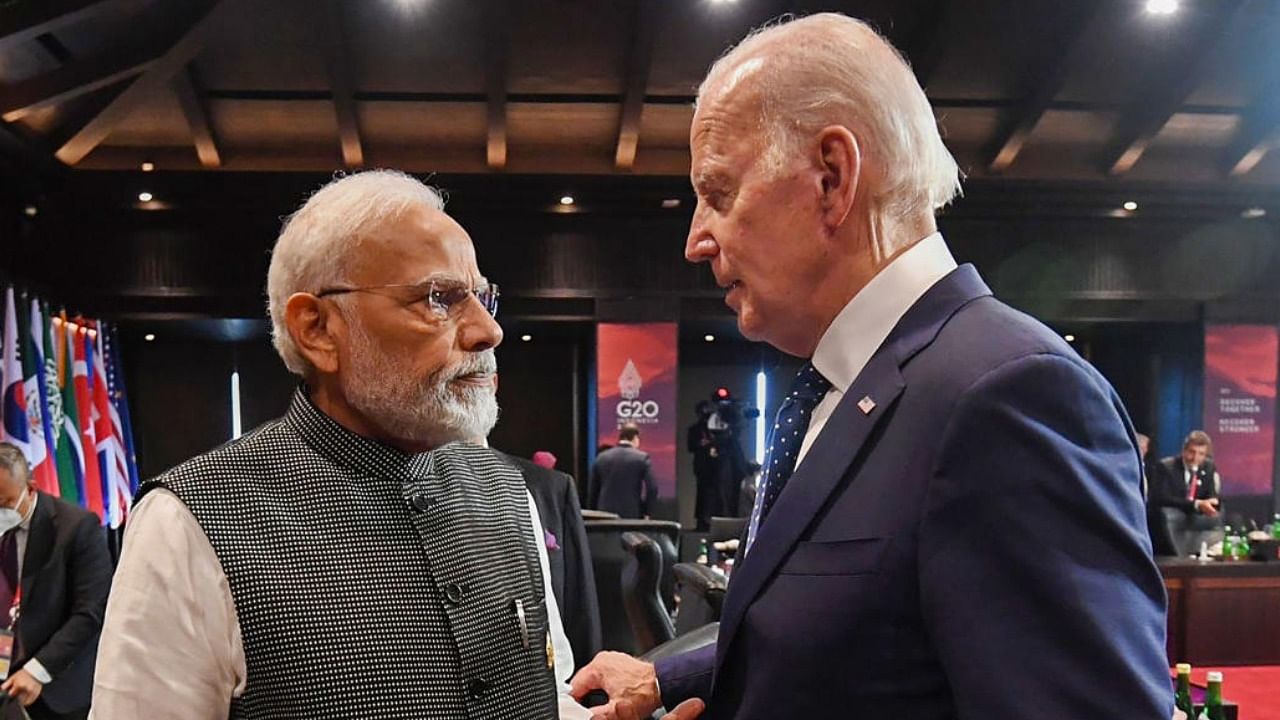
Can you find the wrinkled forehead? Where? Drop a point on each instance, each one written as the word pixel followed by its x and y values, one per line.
pixel 422 244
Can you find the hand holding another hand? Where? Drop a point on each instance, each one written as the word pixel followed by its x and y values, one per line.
pixel 632 687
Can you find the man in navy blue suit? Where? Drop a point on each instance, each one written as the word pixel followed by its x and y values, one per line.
pixel 950 522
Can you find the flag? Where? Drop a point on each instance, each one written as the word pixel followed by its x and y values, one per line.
pixel 14 405
pixel 66 451
pixel 78 338
pixel 43 469
pixel 111 458
pixel 115 381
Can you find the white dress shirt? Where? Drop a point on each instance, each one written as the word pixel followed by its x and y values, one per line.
pixel 171 646
pixel 862 326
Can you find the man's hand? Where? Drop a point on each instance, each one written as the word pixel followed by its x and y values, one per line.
pixel 623 710
pixel 631 684
pixel 1207 507
pixel 26 688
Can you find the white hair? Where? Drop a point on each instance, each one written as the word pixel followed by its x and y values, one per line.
pixel 830 69
pixel 316 241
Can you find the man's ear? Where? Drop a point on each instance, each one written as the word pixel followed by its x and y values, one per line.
pixel 311 323
pixel 840 162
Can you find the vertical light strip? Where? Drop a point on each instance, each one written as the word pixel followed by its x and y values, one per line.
pixel 762 385
pixel 235 404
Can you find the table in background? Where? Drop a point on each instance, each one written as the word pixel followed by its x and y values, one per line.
pixel 1223 613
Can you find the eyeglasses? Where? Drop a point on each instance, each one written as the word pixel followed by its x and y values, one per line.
pixel 441 298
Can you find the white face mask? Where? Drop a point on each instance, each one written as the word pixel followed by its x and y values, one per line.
pixel 10 518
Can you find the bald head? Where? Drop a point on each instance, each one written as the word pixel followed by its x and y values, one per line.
pixel 790 80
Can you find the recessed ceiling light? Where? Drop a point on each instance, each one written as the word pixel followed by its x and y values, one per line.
pixel 671 203
pixel 149 337
pixel 148 166
pixel 145 196
pixel 526 338
pixel 566 200
pixel 1162 7
pixel 1069 337
pixel 1253 213
pixel 709 338
pixel 30 210
pixel 1130 205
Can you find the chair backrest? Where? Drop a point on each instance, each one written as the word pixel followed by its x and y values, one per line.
pixel 725 528
pixel 701 592
pixel 650 624
pixel 604 537
pixel 703 636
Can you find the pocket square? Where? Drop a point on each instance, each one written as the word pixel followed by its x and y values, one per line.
pixel 552 544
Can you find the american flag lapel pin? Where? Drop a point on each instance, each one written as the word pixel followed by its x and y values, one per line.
pixel 866 404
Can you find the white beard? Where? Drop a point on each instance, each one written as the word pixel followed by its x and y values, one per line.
pixel 430 412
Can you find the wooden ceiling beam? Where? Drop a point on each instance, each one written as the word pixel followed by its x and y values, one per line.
pixel 1259 129
pixel 126 58
pixel 1018 128
pixel 497 49
pixel 191 99
pixel 214 14
pixel 28 19
pixel 78 78
pixel 337 57
pixel 1260 134
pixel 54 48
pixel 644 29
pixel 1152 110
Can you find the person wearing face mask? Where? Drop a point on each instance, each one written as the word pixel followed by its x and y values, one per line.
pixel 54 577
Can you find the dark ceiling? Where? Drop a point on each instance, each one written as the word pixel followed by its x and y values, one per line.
pixel 1024 89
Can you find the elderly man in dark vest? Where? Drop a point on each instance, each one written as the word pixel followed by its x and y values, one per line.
pixel 353 558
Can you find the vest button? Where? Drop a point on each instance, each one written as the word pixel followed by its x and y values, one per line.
pixel 477 688
pixel 421 503
pixel 453 593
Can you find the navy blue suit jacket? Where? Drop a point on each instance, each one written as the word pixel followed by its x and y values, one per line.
pixel 974 547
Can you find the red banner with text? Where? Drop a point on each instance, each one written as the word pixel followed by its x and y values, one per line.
pixel 1240 404
pixel 636 383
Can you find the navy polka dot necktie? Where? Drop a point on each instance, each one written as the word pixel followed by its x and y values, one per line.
pixel 807 390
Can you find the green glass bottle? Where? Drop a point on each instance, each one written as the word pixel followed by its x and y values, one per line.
pixel 1275 527
pixel 1182 695
pixel 703 557
pixel 1213 709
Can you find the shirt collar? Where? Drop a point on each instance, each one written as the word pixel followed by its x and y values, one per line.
pixel 864 323
pixel 347 449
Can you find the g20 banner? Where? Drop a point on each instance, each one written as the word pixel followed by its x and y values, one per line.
pixel 1240 404
pixel 636 383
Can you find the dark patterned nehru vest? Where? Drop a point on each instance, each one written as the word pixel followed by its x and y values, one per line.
pixel 373 584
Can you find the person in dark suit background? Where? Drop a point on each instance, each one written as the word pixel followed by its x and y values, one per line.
pixel 572 579
pixel 1187 489
pixel 1162 543
pixel 622 478
pixel 950 521
pixel 700 444
pixel 58 552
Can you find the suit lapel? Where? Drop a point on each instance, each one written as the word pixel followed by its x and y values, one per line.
pixel 40 538
pixel 842 439
pixel 817 476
